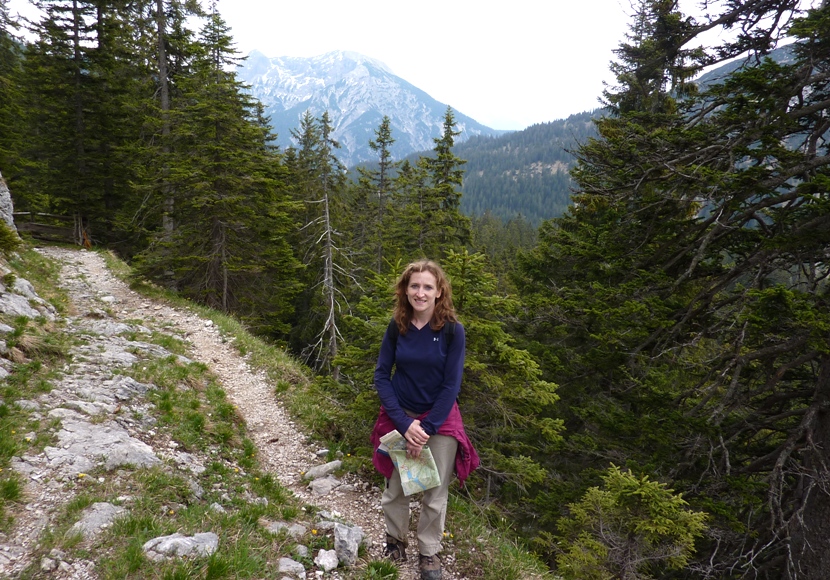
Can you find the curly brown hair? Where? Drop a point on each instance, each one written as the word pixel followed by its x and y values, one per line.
pixel 444 310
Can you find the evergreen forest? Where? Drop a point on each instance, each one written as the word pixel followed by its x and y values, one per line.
pixel 647 374
pixel 525 173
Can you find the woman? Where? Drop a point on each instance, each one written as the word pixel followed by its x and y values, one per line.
pixel 425 344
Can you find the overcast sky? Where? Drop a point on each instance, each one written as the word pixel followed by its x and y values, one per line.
pixel 507 64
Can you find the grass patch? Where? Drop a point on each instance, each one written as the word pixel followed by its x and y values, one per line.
pixel 486 547
pixel 37 348
pixel 42 273
pixel 381 570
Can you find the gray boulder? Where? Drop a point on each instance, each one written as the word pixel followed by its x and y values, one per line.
pixel 326 560
pixel 179 545
pixel 346 543
pixel 96 518
pixel 296 531
pixel 83 443
pixel 289 566
pixel 6 206
pixel 16 305
pixel 322 470
pixel 324 486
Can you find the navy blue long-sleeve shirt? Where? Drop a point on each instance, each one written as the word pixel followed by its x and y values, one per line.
pixel 427 377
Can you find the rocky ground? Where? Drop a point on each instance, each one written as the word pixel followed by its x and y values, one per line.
pixel 105 310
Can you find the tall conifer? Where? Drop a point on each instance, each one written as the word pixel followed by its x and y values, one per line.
pixel 682 302
pixel 11 112
pixel 229 247
pixel 321 185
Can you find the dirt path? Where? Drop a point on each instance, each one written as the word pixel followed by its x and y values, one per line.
pixel 282 447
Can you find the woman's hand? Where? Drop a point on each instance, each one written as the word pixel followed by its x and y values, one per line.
pixel 416 438
pixel 413 450
pixel 416 434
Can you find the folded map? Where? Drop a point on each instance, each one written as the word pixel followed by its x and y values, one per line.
pixel 417 473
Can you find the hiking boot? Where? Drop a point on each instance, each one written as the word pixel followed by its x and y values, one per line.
pixel 430 567
pixel 395 549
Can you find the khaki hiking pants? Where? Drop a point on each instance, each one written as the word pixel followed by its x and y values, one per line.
pixel 433 504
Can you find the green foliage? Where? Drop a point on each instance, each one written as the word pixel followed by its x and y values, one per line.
pixel 380 570
pixel 681 303
pixel 507 407
pixel 9 240
pixel 484 540
pixel 631 528
pixel 229 246
pixel 11 113
pixel 525 173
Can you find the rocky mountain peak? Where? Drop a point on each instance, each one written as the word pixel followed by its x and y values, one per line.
pixel 357 91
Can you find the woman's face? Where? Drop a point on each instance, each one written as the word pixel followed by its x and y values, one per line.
pixel 421 293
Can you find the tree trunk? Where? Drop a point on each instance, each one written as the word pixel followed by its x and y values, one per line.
pixel 811 534
pixel 164 96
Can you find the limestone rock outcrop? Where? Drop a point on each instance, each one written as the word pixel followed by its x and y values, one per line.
pixel 6 206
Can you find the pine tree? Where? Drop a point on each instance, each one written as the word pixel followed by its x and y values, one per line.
pixel 508 408
pixel 82 85
pixel 450 229
pixel 414 207
pixel 229 248
pixel 163 52
pixel 11 136
pixel 57 86
pixel 320 185
pixel 372 211
pixel 428 202
pixel 681 303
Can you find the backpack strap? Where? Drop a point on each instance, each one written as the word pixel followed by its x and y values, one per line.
pixel 449 331
pixel 393 332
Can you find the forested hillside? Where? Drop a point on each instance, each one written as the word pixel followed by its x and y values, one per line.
pixel 524 173
pixel 647 376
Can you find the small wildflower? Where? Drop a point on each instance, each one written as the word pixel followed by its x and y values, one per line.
pixel 348 454
pixel 172 512
pixel 314 532
pixel 28 438
pixel 236 470
pixel 81 475
pixel 13 431
pixel 256 479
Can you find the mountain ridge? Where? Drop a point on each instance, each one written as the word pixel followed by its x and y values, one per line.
pixel 357 91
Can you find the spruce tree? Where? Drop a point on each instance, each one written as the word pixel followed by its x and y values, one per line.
pixel 449 228
pixel 83 81
pixel 372 209
pixel 11 137
pixel 57 88
pixel 411 232
pixel 229 248
pixel 508 407
pixel 681 304
pixel 320 185
pixel 429 202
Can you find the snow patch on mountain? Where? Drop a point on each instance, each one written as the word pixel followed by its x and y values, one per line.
pixel 357 91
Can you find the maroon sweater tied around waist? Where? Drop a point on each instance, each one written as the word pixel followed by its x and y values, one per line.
pixel 466 458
